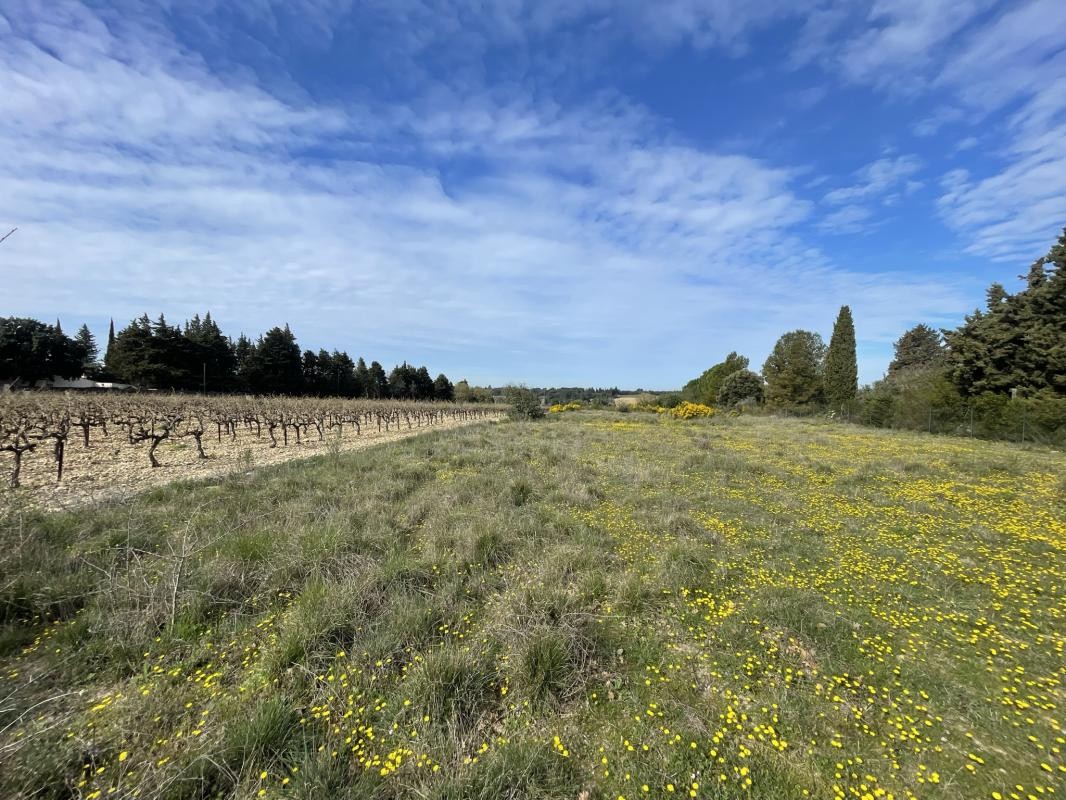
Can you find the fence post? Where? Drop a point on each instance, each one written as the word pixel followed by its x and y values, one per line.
pixel 930 419
pixel 971 421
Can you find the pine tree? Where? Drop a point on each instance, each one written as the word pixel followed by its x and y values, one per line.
pixel 378 386
pixel 793 370
pixel 705 388
pixel 362 378
pixel 443 389
pixel 87 344
pixel 243 356
pixel 422 384
pixel 841 364
pixel 276 365
pixel 1018 341
pixel 31 350
pixel 921 347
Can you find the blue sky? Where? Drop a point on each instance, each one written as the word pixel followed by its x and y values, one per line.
pixel 582 192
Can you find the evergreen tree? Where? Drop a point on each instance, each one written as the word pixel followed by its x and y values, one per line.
pixel 443 389
pixel 212 355
pixel 362 378
pixel 87 343
pixel 110 338
pixel 342 377
pixel 705 388
pixel 919 348
pixel 315 373
pixel 403 381
pixel 739 387
pixel 243 353
pixel 276 365
pixel 841 363
pixel 129 355
pixel 378 385
pixel 1019 340
pixel 793 370
pixel 31 351
pixel 422 384
pixel 173 359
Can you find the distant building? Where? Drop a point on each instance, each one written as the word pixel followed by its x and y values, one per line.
pixel 59 384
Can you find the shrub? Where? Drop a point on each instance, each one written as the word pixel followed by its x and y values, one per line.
pixel 559 408
pixel 670 399
pixel 524 404
pixel 740 386
pixel 687 410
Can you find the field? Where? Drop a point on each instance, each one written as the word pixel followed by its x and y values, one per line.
pixel 65 452
pixel 590 606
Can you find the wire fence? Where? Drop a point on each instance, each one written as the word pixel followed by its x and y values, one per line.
pixel 1022 421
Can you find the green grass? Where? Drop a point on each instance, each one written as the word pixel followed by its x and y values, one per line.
pixel 594 606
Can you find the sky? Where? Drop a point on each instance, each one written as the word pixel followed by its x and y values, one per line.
pixel 577 192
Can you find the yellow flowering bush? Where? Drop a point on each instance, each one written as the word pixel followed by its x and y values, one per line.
pixel 687 410
pixel 559 408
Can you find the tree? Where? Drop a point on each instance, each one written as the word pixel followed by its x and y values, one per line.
pixel 919 348
pixel 705 388
pixel 275 366
pixel 378 385
pixel 443 389
pixel 463 393
pixel 87 343
pixel 31 351
pixel 128 357
pixel 314 369
pixel 739 387
pixel 362 378
pixel 524 403
pixel 402 381
pixel 243 352
pixel 841 363
pixel 422 384
pixel 212 355
pixel 343 381
pixel 793 370
pixel 1018 341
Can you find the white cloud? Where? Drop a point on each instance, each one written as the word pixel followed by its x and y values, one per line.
pixel 876 178
pixel 591 242
pixel 998 64
pixel 849 219
pixel 1014 213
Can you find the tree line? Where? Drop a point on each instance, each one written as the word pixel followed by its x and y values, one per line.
pixel 800 371
pixel 197 356
pixel 1006 359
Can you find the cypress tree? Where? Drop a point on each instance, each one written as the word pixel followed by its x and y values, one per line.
pixel 841 365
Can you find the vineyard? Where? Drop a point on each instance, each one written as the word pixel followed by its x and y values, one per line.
pixel 62 447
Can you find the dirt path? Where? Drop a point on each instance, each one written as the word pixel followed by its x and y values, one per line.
pixel 110 468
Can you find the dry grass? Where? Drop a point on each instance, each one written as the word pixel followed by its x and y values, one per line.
pixel 580 607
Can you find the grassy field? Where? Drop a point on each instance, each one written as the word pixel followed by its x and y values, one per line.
pixel 592 606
